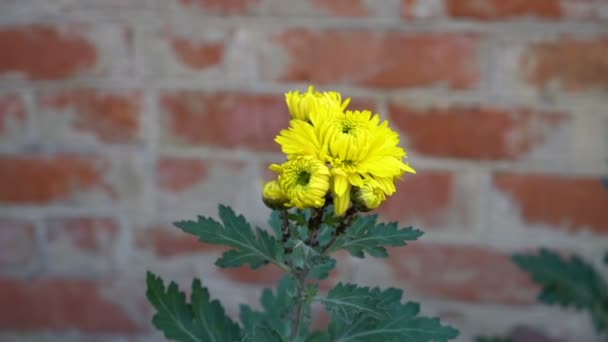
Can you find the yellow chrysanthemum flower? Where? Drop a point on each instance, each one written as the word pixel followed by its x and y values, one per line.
pixel 356 146
pixel 273 196
pixel 359 150
pixel 301 105
pixel 304 180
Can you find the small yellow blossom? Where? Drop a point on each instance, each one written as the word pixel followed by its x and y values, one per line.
pixel 369 197
pixel 273 196
pixel 301 105
pixel 304 180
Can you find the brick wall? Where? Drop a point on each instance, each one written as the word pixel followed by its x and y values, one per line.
pixel 118 117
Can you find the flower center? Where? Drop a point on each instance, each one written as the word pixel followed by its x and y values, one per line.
pixel 303 177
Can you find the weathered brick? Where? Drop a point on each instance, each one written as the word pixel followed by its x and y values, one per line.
pixel 565 203
pixel 61 304
pixel 227 120
pixel 12 118
pixel 375 59
pixel 185 184
pixel 425 197
pixel 68 50
pixel 585 9
pixel 343 8
pixel 177 174
pixel 222 6
pixel 267 275
pixel 107 116
pixel 17 244
pixel 197 55
pixel 461 273
pixel 422 9
pixel 168 241
pixel 34 179
pixel 81 244
pixel 574 64
pixel 501 9
pixel 475 132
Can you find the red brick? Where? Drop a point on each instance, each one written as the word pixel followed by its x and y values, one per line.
pixel 60 304
pixel 461 273
pixel 167 241
pixel 44 53
pixel 35 179
pixel 177 175
pixel 379 59
pixel 343 8
pixel 12 116
pixel 17 244
pixel 501 9
pixel 197 55
pixel 425 197
pixel 92 235
pixel 475 132
pixel 222 6
pixel 568 203
pixel 576 64
pixel 112 117
pixel 267 275
pixel 225 119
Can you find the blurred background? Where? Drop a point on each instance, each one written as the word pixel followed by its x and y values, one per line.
pixel 118 117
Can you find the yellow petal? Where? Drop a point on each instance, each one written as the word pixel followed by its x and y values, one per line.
pixel 341 203
pixel 340 184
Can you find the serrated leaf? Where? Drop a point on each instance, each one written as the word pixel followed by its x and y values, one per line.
pixel 322 270
pixel 345 301
pixel 255 250
pixel 567 282
pixel 272 322
pixel 402 325
pixel 276 224
pixel 365 236
pixel 201 321
pixel 302 255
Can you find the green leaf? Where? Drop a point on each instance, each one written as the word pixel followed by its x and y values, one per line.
pixel 201 321
pixel 568 282
pixel 276 224
pixel 402 325
pixel 322 270
pixel 254 249
pixel 365 236
pixel 302 255
pixel 272 323
pixel 345 301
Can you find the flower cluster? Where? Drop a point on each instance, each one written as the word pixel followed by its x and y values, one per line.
pixel 351 155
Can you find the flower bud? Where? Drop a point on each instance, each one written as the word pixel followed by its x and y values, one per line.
pixel 273 196
pixel 368 197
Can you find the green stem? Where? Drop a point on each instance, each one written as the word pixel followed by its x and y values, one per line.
pixel 299 305
pixel 348 219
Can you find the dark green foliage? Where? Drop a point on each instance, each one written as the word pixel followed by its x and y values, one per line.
pixel 271 324
pixel 254 249
pixel 569 282
pixel 364 315
pixel 366 236
pixel 301 244
pixel 345 301
pixel 200 320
